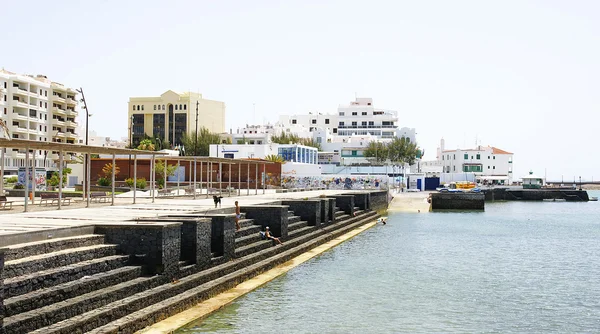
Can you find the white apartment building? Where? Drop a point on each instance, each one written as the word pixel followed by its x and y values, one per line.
pixel 170 115
pixel 487 164
pixel 359 117
pixel 35 108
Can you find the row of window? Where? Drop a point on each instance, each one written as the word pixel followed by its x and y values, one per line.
pixel 159 107
pixel 355 113
pixel 312 121
pixel 466 157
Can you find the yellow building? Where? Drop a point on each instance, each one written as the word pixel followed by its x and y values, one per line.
pixel 168 116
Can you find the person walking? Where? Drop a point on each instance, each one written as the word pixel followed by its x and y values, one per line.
pixel 238 215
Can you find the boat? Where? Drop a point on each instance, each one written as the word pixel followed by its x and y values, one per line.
pixel 554 200
pixel 594 199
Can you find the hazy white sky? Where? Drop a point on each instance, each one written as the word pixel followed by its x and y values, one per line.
pixel 523 76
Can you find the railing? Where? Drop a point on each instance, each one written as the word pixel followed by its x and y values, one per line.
pixel 367 126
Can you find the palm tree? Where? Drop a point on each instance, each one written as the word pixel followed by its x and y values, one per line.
pixel 275 158
pixel 146 145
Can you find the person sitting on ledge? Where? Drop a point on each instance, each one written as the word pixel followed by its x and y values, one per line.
pixel 268 235
pixel 217 200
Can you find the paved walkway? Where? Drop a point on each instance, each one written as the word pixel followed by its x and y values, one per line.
pixel 76 215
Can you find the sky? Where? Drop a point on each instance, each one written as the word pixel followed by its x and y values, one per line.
pixel 523 76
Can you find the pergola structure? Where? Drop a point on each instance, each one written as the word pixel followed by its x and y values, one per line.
pixel 63 148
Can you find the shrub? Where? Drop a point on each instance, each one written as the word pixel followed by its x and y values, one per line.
pixel 129 182
pixel 19 186
pixel 12 179
pixel 104 181
pixel 140 184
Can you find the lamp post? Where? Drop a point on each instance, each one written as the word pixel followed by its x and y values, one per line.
pixel 87 131
pixel 130 146
pixel 580 183
pixel 196 135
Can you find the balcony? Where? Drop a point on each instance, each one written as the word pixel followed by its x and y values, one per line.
pixel 72 102
pixel 58 111
pixel 20 117
pixel 72 135
pixel 72 113
pixel 58 122
pixel 59 134
pixel 71 124
pixel 58 99
pixel 18 129
pixel 21 104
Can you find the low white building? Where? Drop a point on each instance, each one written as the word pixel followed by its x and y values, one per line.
pixel 486 164
pixel 289 152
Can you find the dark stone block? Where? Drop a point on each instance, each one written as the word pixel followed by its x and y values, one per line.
pixel 324 210
pixel 2 291
pixel 156 247
pixel 332 205
pixel 378 200
pixel 457 201
pixel 345 203
pixel 274 216
pixel 361 200
pixel 309 210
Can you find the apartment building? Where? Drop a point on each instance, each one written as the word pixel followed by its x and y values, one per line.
pixel 35 108
pixel 358 118
pixel 170 115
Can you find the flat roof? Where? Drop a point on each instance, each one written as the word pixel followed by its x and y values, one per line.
pixel 66 147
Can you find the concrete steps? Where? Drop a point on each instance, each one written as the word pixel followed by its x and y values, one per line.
pixel 19 251
pixel 31 264
pixel 297 225
pixel 339 213
pixel 246 222
pixel 293 219
pixel 48 278
pixel 55 294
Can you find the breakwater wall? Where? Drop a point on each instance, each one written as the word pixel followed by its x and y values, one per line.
pixel 142 271
pixel 457 201
pixel 505 194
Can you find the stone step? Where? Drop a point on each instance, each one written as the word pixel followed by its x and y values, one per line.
pixel 297 225
pixel 246 222
pixel 300 232
pixel 253 247
pixel 356 208
pixel 48 278
pixel 246 240
pixel 339 213
pixel 55 294
pixel 32 264
pixel 293 219
pixel 158 310
pixel 290 213
pixel 244 231
pixel 51 314
pixel 18 251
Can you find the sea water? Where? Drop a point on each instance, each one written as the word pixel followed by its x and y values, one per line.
pixel 517 267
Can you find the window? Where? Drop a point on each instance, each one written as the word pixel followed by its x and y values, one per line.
pixel 326 120
pixel 158 124
pixel 364 113
pixel 454 168
pixel 364 123
pixel 185 107
pixel 478 157
pixel 142 107
pixel 175 107
pixel 4 111
pixel 371 123
pixel 134 107
pixel 442 157
pixel 138 108
pixel 294 121
pixel 310 129
pixel 45 93
pixel 354 153
pixel 163 107
pixel 354 123
pixel 334 130
pixel 40 104
pixel 488 167
pixel 466 156
pixel 494 167
pixel 40 92
pixel 155 107
pixel 454 157
pixel 314 121
pixel 354 113
pixel 341 113
pixel 180 107
pixel 45 104
pixel 341 124
pixel 494 157
pixel 488 157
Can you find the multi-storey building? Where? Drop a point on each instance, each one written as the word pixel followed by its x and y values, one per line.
pixel 169 116
pixel 487 164
pixel 35 108
pixel 359 118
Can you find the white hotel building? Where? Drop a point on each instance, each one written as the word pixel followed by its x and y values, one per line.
pixel 35 108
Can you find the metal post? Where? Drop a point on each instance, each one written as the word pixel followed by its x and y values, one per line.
pixel 34 181
pixel 264 177
pixel 256 179
pixel 112 181
pixel 239 179
pixel 195 171
pixel 248 180
pixel 134 177
pixel 26 179
pixel 209 178
pixel 229 181
pixel 88 180
pixel 190 178
pixel 165 175
pixel 2 171
pixel 60 178
pixel 220 177
pixel 153 176
pixel 178 164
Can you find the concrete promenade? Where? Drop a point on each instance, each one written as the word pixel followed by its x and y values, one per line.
pixel 15 226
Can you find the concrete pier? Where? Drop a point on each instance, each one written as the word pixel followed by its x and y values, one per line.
pixel 457 201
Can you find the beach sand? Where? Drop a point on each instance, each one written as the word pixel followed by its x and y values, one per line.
pixel 410 202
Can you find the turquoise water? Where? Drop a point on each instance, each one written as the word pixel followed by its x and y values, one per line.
pixel 517 267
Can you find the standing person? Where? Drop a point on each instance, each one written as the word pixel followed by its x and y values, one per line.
pixel 238 215
pixel 270 236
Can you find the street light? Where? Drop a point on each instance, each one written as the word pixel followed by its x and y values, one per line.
pixel 87 130
pixel 196 135
pixel 580 183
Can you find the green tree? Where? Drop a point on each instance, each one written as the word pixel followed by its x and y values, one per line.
pixel 147 145
pixel 55 178
pixel 204 137
pixel 274 158
pixel 159 170
pixel 377 150
pixel 401 150
pixel 285 138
